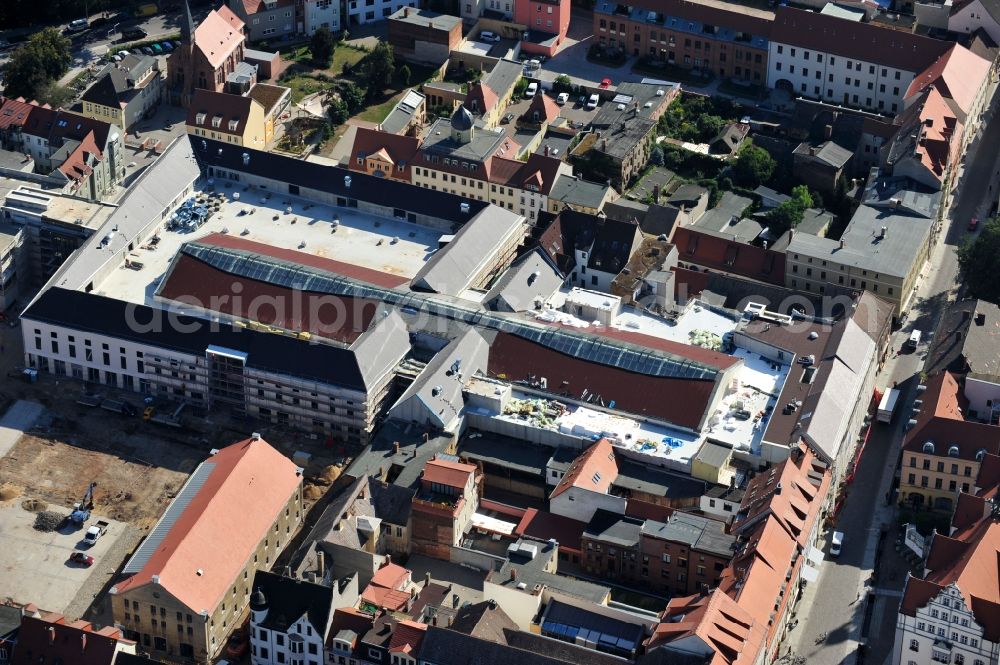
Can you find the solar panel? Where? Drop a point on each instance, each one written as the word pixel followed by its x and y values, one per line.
pixel 585 346
pixel 170 517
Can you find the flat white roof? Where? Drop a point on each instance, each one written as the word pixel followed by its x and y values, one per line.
pixel 760 384
pixel 379 243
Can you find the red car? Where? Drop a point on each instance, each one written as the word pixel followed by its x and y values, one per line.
pixel 605 83
pixel 82 559
pixel 973 224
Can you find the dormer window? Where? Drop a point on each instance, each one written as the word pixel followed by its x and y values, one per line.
pixel 233 124
pixel 953 451
pixel 929 447
pixel 217 121
pixel 200 118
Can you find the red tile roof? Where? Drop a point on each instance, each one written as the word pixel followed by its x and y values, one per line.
pixel 219 35
pixel 228 108
pixel 544 106
pixel 399 149
pixel 940 422
pixel 245 491
pixel 792 492
pixel 971 565
pixel 594 470
pixel 540 171
pixel 389 599
pixel 448 473
pixel 855 39
pixel 958 74
pixel 677 400
pixel 362 273
pixel 728 630
pixel 407 637
pixel 77 166
pixel 715 251
pixel 391 576
pixel 50 639
pixel 483 95
pixel 542 525
pixel 254 6
pixel 197 284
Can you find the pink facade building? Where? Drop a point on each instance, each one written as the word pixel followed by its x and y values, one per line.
pixel 547 21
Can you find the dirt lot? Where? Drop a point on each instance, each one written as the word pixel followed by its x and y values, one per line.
pixel 136 476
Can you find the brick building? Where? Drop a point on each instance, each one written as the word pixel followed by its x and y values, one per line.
pixel 685 554
pixel 208 56
pixel 443 507
pixel 723 38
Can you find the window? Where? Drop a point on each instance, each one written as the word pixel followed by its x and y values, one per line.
pixel 914 645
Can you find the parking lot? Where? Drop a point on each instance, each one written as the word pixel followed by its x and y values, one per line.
pixel 35 566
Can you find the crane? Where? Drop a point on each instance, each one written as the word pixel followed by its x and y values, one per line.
pixel 81 510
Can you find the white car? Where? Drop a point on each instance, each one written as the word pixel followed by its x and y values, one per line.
pixel 562 98
pixel 592 102
pixel 532 89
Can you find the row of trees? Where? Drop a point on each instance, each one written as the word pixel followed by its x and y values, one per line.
pixel 34 67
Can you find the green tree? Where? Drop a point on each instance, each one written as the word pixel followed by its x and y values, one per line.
pixel 978 261
pixel 321 46
pixel 338 112
pixel 379 66
pixel 656 156
pixel 753 166
pixel 562 83
pixel 788 215
pixel 44 58
pixel 405 75
pixel 353 96
pixel 520 87
pixel 801 194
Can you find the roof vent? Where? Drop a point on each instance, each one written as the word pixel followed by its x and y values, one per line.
pixel 246 159
pixel 435 391
pixel 347 181
pixel 464 207
pixel 200 572
pixel 213 451
pixel 255 436
pixel 156 579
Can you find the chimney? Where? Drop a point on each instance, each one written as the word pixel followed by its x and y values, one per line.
pixel 406 12
pixel 882 234
pixel 320 563
pixel 427 579
pixel 83 643
pixel 828 132
pixel 449 621
pixel 513 574
pixel 52 634
pixel 388 560
pixel 413 592
pixel 546 150
pixel 604 145
pixel 842 243
pixel 395 447
pixel 434 620
pixel 813 150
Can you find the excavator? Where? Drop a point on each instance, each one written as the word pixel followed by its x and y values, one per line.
pixel 81 510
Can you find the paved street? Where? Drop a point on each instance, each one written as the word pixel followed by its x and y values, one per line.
pixel 840 611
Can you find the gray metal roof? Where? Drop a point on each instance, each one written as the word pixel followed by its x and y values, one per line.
pixel 453 267
pixel 609 527
pixel 829 154
pixel 402 113
pixel 718 218
pixel 422 18
pixel 578 344
pixel 503 76
pixel 531 277
pixel 894 254
pixel 506 453
pixel 438 387
pixel 485 142
pixel 381 347
pixel 532 572
pixel 699 533
pixel 577 191
pixel 173 512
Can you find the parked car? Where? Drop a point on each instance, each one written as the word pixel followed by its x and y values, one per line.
pixel 605 83
pixel 177 44
pixel 592 102
pixel 81 559
pixel 147 50
pixel 562 98
pixel 157 48
pixel 506 119
pixel 973 224
pixel 532 89
pixel 487 36
pixel 78 25
pixel 836 543
pixel 123 53
pixel 167 46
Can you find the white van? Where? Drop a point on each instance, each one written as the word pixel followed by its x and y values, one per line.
pixel 592 102
pixel 532 89
pixel 836 543
pixel 487 36
pixel 914 340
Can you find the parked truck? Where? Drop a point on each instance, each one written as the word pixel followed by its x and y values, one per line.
pixel 96 531
pixel 887 406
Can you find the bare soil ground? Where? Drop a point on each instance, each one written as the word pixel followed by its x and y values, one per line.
pixel 136 475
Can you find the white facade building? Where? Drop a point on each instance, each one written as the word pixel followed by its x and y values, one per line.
pixel 360 12
pixel 943 631
pixel 318 14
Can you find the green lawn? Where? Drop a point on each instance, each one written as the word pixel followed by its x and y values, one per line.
pixel 377 112
pixel 343 54
pixel 303 85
